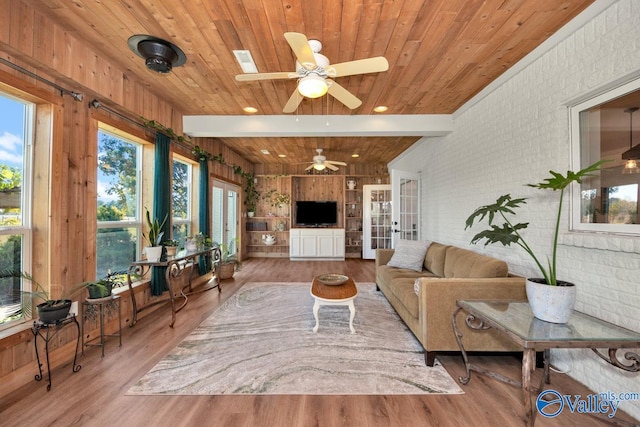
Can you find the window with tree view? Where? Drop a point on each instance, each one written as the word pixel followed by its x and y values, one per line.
pixel 608 127
pixel 16 130
pixel 119 219
pixel 181 203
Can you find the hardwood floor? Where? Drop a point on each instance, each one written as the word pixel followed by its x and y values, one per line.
pixel 95 396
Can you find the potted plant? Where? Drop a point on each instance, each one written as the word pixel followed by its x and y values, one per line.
pixel 229 262
pixel 154 237
pixel 49 310
pixel 251 197
pixel 103 288
pixel 171 246
pixel 550 299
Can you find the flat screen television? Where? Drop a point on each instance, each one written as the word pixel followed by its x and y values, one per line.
pixel 316 213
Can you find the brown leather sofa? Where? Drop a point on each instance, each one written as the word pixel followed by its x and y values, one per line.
pixel 449 273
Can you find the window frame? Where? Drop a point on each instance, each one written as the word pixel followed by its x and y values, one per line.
pixel 137 222
pixel 25 229
pixel 580 160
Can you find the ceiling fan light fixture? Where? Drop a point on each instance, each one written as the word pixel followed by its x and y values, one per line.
pixel 630 167
pixel 319 166
pixel 312 86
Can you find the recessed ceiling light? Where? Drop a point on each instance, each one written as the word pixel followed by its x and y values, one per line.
pixel 282 155
pixel 246 61
pixel 354 155
pixel 265 151
pixel 250 110
pixel 380 108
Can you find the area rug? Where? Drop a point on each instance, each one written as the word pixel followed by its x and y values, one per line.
pixel 260 341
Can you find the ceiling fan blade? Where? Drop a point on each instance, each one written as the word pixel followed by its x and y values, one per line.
pixel 330 166
pixel 307 168
pixel 293 102
pixel 334 162
pixel 266 76
pixel 343 95
pixel 361 66
pixel 300 46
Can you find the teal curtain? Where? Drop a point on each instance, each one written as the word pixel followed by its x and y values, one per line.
pixel 204 223
pixel 161 204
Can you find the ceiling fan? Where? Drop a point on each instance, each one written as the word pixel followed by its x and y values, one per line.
pixel 313 71
pixel 320 162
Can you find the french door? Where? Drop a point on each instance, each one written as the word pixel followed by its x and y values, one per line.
pixel 405 188
pixel 377 219
pixel 225 214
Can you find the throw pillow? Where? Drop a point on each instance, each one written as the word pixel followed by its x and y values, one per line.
pixel 409 254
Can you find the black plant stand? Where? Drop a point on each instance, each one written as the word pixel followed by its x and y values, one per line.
pixel 47 331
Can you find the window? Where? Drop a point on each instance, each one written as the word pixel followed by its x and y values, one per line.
pixel 181 201
pixel 119 200
pixel 608 127
pixel 16 136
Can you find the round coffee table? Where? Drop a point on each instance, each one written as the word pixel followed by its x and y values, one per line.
pixel 334 295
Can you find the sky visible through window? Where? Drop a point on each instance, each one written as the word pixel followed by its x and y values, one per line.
pixel 11 132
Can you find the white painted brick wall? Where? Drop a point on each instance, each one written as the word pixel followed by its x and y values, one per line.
pixel 515 136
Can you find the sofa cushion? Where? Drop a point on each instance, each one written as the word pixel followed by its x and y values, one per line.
pixel 464 263
pixel 402 288
pixel 434 259
pixel 387 274
pixel 409 254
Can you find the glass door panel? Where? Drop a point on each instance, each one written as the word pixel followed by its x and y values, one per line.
pixel 377 219
pixel 224 213
pixel 406 192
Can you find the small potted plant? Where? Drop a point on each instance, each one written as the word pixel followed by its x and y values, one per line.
pixel 154 237
pixel 171 246
pixel 49 310
pixel 550 299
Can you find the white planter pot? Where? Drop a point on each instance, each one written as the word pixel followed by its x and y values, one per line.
pixel 251 214
pixel 153 253
pixel 551 303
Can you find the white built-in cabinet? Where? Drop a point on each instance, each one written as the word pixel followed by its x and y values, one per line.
pixel 316 243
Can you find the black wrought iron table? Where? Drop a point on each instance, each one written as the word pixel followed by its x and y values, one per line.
pixel 47 331
pixel 175 266
pixel 515 320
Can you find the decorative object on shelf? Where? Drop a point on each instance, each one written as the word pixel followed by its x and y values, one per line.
pixel 49 311
pixel 351 184
pixel 154 237
pixel 281 226
pixel 332 279
pixel 545 306
pixel 269 239
pixel 171 247
pixel 279 200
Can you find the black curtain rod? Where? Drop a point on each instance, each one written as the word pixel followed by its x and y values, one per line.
pixel 75 95
pixel 97 104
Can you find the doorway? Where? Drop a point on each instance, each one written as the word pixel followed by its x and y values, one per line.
pixel 225 215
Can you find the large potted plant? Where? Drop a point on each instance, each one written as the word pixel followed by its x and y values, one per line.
pixel 550 299
pixel 251 196
pixel 154 237
pixel 229 262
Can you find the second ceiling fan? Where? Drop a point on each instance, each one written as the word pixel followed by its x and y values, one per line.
pixel 313 71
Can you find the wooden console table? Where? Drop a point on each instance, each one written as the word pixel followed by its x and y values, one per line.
pixel 175 267
pixel 515 320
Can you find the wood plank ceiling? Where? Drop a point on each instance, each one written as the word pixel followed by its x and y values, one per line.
pixel 440 52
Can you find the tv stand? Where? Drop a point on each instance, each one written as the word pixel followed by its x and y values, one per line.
pixel 316 244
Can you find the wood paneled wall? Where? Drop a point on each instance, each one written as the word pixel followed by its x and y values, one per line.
pixel 65 148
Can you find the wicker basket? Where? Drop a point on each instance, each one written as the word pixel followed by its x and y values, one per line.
pixel 226 270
